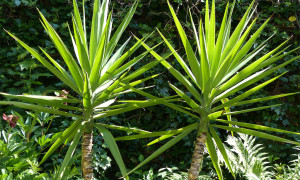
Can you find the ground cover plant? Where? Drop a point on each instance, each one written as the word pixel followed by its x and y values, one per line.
pixel 97 75
pixel 222 65
pixel 18 150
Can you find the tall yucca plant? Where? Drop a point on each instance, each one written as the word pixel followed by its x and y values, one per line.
pixel 97 74
pixel 222 65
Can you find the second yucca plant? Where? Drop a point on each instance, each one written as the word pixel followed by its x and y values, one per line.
pixel 223 64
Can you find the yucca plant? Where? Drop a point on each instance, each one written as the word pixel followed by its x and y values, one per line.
pixel 98 74
pixel 223 64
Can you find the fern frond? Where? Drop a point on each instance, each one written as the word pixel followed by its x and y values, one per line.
pixel 247 158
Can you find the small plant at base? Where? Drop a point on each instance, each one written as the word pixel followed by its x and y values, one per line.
pixel 246 158
pixel 19 155
pixel 291 172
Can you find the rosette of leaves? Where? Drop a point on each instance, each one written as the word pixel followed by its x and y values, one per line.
pixel 98 73
pixel 223 64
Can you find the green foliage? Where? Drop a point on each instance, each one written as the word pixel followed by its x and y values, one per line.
pixel 225 62
pixel 250 160
pixel 70 173
pixel 247 158
pixel 98 73
pixel 173 174
pixel 21 17
pixel 292 171
pixel 21 147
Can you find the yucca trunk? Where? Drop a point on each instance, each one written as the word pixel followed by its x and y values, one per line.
pixel 198 153
pixel 87 159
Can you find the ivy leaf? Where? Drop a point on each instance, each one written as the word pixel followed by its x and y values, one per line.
pixel 27 65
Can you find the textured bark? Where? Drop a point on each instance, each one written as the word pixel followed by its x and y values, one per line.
pixel 197 157
pixel 87 161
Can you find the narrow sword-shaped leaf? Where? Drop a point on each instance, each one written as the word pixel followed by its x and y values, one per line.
pixel 113 70
pixel 213 155
pixel 176 74
pixel 155 134
pixel 248 58
pixel 250 110
pixel 47 64
pixel 73 128
pixel 263 99
pixel 215 115
pixel 81 47
pixel 187 99
pixel 138 72
pixel 225 65
pixel 122 128
pixel 163 137
pixel 74 44
pixel 113 147
pixel 126 109
pixel 115 57
pixel 221 149
pixel 37 108
pixel 195 35
pixel 64 52
pixel 83 17
pixel 205 69
pixel 227 110
pixel 276 57
pixel 255 126
pixel 34 98
pixel 236 34
pixel 243 84
pixel 164 148
pixel 162 101
pixel 130 90
pixel 98 23
pixel 206 23
pixel 211 34
pixel 45 100
pixel 143 69
pixel 218 48
pixel 99 58
pixel 244 50
pixel 70 152
pixel 179 59
pixel 256 133
pixel 109 90
pixel 66 75
pixel 117 35
pixel 87 93
pixel 246 94
pixel 248 70
pixel 194 64
pixel 227 29
pixel 79 24
pixel 137 82
pixel 254 78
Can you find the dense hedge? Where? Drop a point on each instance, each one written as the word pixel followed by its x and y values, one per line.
pixel 20 73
